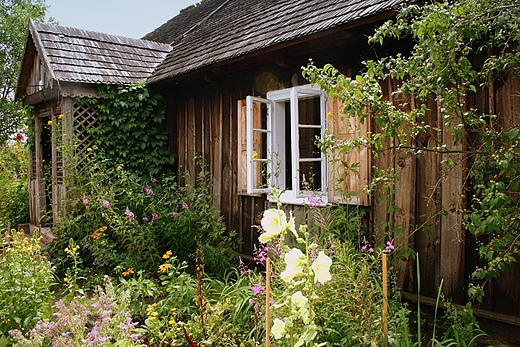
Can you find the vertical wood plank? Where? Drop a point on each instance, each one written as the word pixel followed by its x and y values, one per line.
pixel 452 232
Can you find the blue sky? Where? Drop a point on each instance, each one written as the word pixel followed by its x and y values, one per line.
pixel 132 18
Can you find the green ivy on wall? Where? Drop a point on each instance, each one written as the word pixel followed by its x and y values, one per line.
pixel 130 133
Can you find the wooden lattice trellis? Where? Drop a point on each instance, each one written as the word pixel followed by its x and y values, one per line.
pixel 85 125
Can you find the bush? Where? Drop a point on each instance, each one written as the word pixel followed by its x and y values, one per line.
pixel 121 221
pixel 14 198
pixel 25 293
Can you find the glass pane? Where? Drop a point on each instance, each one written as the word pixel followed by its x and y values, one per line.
pixel 307 142
pixel 259 115
pixel 259 145
pixel 260 174
pixel 309 111
pixel 310 175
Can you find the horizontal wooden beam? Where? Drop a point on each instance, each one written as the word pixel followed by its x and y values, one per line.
pixel 498 317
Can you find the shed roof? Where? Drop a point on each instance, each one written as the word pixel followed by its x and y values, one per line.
pixel 76 55
pixel 217 30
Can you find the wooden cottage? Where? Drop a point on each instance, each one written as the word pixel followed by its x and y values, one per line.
pixel 220 65
pixel 59 65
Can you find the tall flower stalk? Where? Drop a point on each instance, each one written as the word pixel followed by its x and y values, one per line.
pixel 305 270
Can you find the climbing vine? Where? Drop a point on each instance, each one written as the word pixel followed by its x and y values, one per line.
pixel 129 133
pixel 459 47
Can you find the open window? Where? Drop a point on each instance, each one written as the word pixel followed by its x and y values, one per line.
pixel 277 138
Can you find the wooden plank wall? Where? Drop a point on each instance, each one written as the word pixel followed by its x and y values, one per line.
pixel 205 125
pixel 207 130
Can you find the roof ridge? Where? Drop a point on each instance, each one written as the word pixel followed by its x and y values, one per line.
pixel 200 22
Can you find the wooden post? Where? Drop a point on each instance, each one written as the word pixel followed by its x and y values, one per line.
pixel 267 302
pixel 385 297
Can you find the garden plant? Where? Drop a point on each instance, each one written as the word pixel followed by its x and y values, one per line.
pixel 139 260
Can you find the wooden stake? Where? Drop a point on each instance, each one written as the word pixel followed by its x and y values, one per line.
pixel 385 298
pixel 267 302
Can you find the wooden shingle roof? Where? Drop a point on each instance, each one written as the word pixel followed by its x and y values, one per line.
pixel 76 55
pixel 219 30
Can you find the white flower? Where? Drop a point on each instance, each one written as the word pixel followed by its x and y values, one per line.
pixel 321 268
pixel 299 300
pixel 294 260
pixel 273 222
pixel 278 329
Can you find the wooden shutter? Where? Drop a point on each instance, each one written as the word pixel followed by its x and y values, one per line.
pixel 349 172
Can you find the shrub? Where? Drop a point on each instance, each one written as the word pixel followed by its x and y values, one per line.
pixel 25 293
pixel 100 321
pixel 14 199
pixel 123 221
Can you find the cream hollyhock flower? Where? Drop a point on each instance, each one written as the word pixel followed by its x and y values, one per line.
pixel 321 268
pixel 299 300
pixel 278 329
pixel 294 260
pixel 273 222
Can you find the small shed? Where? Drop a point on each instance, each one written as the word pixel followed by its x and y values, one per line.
pixel 59 65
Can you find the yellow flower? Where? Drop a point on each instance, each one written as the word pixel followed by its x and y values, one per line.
pixel 164 267
pixel 49 122
pixel 61 116
pixel 329 114
pixel 167 255
pixel 278 329
pixel 66 280
pixel 103 228
pixel 89 149
pixel 128 272
pixel 171 321
pixel 294 261
pixel 321 268
pixel 255 155
pixel 95 235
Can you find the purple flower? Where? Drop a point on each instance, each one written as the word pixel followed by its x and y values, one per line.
pixel 148 191
pixel 130 214
pixel 364 248
pixel 103 214
pixel 389 246
pixel 155 216
pixel 174 214
pixel 153 180
pixel 371 250
pixel 86 201
pixel 145 219
pixel 257 289
pixel 313 202
pixel 106 203
pixel 185 206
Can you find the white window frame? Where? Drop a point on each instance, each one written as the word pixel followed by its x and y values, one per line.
pixel 276 142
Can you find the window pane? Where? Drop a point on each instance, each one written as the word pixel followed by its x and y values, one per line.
pixel 259 145
pixel 260 174
pixel 307 142
pixel 309 111
pixel 310 175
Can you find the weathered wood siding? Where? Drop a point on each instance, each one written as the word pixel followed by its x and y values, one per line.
pixel 202 122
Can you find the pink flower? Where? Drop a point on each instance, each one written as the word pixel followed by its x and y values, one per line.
pixel 185 206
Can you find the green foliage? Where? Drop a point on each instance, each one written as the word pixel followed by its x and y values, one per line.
pixel 14 19
pixel 121 220
pixel 14 199
pixel 493 217
pixel 101 320
pixel 25 293
pixel 458 47
pixel 130 132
